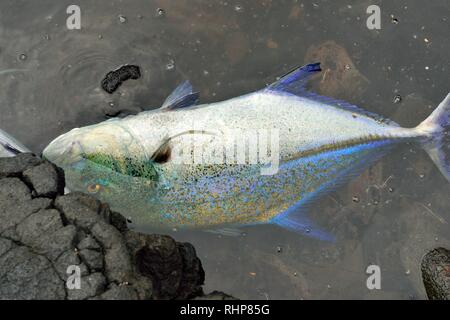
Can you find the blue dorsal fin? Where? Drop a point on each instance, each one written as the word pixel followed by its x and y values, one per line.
pixel 295 80
pixel 182 97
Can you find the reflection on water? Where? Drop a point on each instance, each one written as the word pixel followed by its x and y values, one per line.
pixel 390 216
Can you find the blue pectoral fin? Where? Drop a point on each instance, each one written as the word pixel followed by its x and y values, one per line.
pixel 298 222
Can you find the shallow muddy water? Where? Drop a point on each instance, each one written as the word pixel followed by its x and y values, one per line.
pixel 390 216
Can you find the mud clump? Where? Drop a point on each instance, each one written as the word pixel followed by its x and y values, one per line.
pixel 46 235
pixel 114 79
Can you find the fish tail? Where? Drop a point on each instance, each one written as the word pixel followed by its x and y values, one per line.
pixel 10 146
pixel 436 130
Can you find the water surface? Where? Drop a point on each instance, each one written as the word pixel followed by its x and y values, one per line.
pixel 390 216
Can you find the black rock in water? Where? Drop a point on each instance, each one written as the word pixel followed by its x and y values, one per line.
pixel 436 274
pixel 45 235
pixel 114 79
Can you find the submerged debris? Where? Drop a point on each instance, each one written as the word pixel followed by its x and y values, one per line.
pixel 114 79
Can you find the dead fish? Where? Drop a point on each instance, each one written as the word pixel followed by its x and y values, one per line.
pixel 158 166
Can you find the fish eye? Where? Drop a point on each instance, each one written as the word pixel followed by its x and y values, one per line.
pixel 94 188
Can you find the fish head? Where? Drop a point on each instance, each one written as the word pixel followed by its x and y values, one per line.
pixel 98 159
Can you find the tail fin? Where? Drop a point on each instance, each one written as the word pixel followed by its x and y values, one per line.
pixel 10 146
pixel 437 128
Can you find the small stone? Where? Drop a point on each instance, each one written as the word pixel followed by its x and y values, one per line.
pixel 170 65
pixel 160 12
pixel 397 98
pixel 238 8
pixel 122 19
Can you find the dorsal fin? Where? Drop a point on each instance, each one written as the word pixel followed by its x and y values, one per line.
pixel 182 97
pixel 294 82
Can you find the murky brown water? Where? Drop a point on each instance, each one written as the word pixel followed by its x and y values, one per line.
pixel 390 216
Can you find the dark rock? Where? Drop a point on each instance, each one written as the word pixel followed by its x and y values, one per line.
pixel 13 167
pixel 45 242
pixel 46 179
pixel 114 79
pixel 92 258
pixel 89 243
pixel 436 274
pixel 26 275
pixel 12 189
pixel 174 267
pixel 90 286
pixel 192 276
pixel 14 209
pixel 79 209
pixel 69 258
pixel 123 292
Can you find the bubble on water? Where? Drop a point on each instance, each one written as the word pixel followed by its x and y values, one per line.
pixel 23 57
pixel 122 19
pixel 170 65
pixel 238 8
pixel 160 12
pixel 355 199
pixel 111 104
pixel 394 20
pixel 397 98
pixel 279 249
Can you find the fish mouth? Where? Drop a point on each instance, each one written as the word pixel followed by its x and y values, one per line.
pixel 63 152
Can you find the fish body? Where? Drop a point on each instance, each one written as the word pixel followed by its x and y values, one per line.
pixel 258 158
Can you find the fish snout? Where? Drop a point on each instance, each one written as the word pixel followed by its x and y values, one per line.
pixel 64 150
